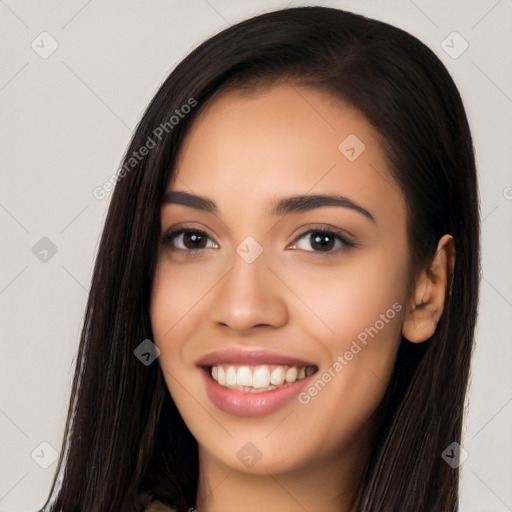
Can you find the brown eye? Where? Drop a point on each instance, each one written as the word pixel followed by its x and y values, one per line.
pixel 323 241
pixel 192 240
pixel 187 240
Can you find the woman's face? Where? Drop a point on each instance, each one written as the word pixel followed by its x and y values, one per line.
pixel 256 289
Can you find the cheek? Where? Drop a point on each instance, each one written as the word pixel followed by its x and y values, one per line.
pixel 174 306
pixel 351 296
pixel 176 300
pixel 178 294
pixel 361 307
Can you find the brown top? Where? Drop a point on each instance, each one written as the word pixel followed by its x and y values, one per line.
pixel 158 506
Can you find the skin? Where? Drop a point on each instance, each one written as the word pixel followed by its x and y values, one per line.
pixel 244 152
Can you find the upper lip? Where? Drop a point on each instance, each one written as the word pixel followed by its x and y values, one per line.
pixel 255 356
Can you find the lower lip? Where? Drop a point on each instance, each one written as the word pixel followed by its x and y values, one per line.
pixel 251 404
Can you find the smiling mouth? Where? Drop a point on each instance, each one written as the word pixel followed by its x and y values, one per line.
pixel 258 378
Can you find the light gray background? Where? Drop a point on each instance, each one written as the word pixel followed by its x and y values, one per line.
pixel 65 122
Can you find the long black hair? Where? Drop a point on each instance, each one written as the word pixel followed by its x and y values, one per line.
pixel 125 441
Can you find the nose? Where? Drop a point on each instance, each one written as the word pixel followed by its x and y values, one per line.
pixel 249 296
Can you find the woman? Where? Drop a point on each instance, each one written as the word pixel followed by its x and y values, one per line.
pixel 295 234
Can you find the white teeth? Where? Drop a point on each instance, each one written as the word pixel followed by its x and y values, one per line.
pixel 277 376
pixel 221 376
pixel 230 376
pixel 291 374
pixel 244 376
pixel 261 378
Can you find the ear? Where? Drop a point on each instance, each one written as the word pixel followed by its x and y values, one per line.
pixel 428 297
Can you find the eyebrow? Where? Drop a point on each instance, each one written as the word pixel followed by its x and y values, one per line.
pixel 283 206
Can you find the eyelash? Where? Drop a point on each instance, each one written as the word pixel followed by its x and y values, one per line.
pixel 169 236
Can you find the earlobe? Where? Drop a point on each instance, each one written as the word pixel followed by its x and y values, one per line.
pixel 428 297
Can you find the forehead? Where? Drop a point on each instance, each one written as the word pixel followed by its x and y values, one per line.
pixel 284 140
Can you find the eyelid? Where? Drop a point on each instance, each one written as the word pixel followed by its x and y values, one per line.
pixel 327 228
pixel 193 226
